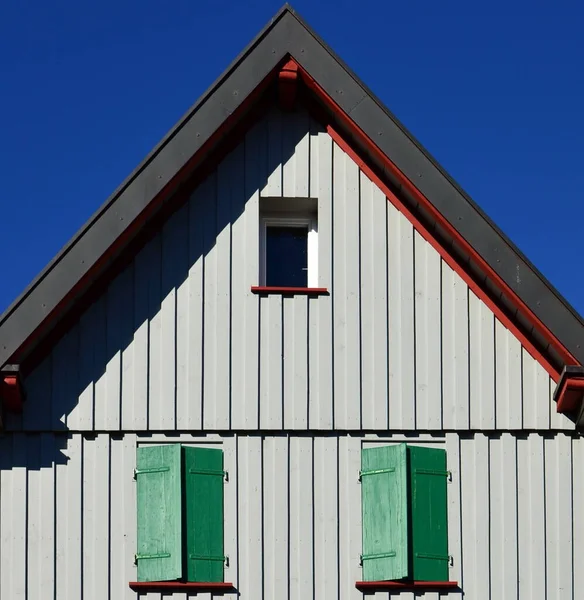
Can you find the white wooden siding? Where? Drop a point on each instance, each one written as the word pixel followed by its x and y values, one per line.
pixel 179 342
pixel 292 515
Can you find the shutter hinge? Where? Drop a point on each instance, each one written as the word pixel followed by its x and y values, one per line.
pixel 223 559
pixel 153 470
pixel 223 474
pixel 138 557
pixel 376 472
pixel 433 556
pixel 362 557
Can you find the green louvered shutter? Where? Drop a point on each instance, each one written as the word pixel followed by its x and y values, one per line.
pixel 158 482
pixel 204 478
pixel 384 504
pixel 429 478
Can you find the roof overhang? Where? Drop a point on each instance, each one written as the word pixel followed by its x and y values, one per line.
pixel 545 322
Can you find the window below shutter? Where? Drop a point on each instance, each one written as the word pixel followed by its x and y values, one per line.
pixel 428 478
pixel 158 482
pixel 204 478
pixel 384 501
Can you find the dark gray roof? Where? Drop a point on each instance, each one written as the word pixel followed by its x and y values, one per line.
pixel 286 34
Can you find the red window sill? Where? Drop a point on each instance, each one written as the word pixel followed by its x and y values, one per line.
pixel 289 291
pixel 177 586
pixel 372 586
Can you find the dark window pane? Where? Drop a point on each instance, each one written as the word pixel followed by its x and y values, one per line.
pixel 286 256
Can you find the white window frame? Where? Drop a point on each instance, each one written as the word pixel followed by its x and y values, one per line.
pixel 293 220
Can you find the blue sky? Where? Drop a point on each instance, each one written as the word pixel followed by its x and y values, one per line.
pixel 495 93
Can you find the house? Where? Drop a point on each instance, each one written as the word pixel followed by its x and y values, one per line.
pixel 290 358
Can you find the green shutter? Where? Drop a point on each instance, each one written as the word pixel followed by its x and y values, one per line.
pixel 204 514
pixel 384 506
pixel 429 479
pixel 158 482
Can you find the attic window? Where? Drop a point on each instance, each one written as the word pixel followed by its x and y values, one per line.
pixel 288 243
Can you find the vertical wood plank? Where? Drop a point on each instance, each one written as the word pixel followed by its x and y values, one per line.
pixel 347 357
pixel 349 517
pixel 531 521
pixel 122 498
pixel 119 316
pixel 174 251
pixel 273 185
pixel 190 307
pixel 245 273
pixel 455 349
pixel 230 186
pixel 503 521
pixel 146 277
pixel 301 518
pixel 427 335
pixel 100 407
pixel 475 510
pixel 482 363
pixel 508 378
pixel 230 506
pixel 95 517
pixel 81 416
pixel 577 514
pixel 210 314
pixel 558 516
pixel 400 237
pixel 326 490
pixel 155 336
pixel 271 407
pixel 535 393
pixel 295 154
pixel 64 389
pixel 68 519
pixel 37 415
pixel 454 508
pixel 295 362
pixel 41 521
pixel 251 558
pixel 373 255
pixel 275 523
pixel 320 334
pixel 13 524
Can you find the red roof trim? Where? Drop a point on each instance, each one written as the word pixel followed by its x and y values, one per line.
pixel 350 125
pixel 446 256
pixel 570 395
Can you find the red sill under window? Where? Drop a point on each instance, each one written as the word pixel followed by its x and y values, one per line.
pixel 177 586
pixel 289 291
pixel 372 586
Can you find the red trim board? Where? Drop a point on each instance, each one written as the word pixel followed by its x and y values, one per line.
pixel 371 586
pixel 355 131
pixel 295 291
pixel 177 586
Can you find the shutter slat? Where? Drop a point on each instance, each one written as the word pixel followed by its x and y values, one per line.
pixel 158 482
pixel 428 476
pixel 204 514
pixel 384 508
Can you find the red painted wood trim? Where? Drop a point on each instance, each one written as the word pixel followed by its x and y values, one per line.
pixel 406 585
pixel 11 394
pixel 288 85
pixel 570 395
pixel 446 256
pixel 209 155
pixel 177 586
pixel 259 289
pixel 350 125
